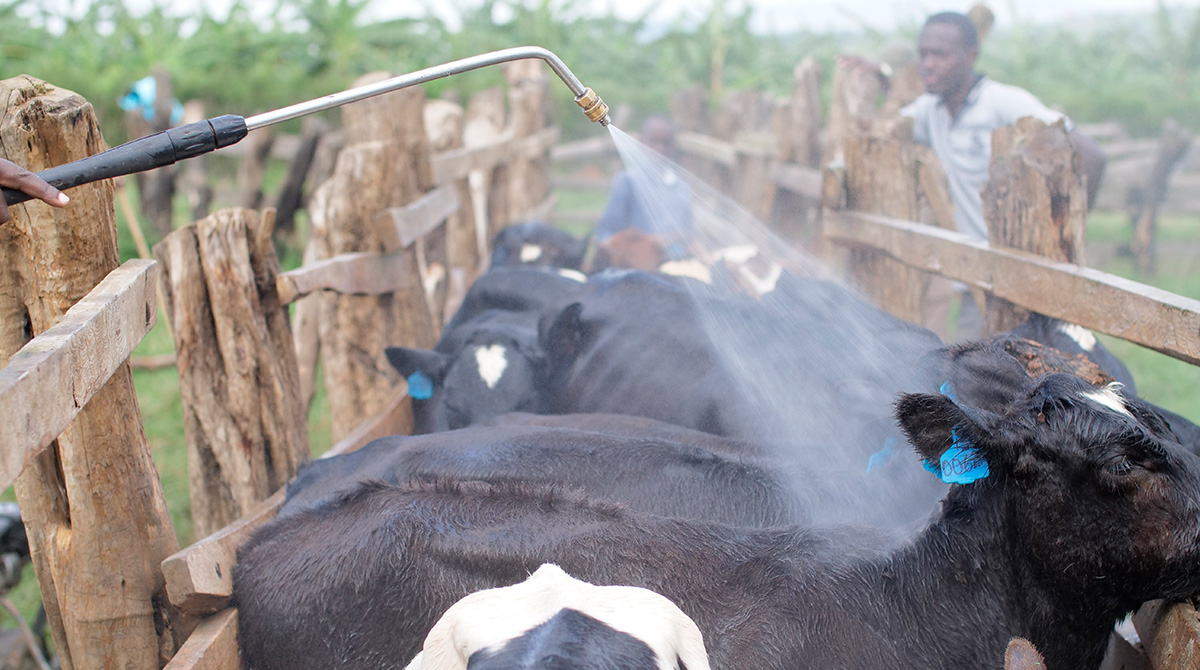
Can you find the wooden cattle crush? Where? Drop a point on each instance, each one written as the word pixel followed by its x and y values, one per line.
pixel 399 231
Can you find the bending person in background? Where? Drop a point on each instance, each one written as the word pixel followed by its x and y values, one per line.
pixel 15 176
pixel 650 197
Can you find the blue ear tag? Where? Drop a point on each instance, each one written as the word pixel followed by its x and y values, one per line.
pixel 420 386
pixel 961 463
pixel 947 390
pixel 883 456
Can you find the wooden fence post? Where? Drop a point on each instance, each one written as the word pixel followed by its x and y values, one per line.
pixel 854 101
pixel 881 178
pixel 238 379
pixel 384 164
pixel 445 122
pixel 92 502
pixel 1175 143
pixel 529 108
pixel 800 137
pixel 489 188
pixel 1035 201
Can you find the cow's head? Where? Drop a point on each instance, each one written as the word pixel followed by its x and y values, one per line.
pixel 540 244
pixel 490 375
pixel 1096 494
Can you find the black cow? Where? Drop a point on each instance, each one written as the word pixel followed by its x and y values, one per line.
pixel 539 244
pixel 1086 508
pixel 648 465
pixel 488 360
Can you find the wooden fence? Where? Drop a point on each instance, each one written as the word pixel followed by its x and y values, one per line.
pixel 399 230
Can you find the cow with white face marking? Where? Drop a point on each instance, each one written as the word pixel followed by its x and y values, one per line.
pixel 1075 340
pixel 553 621
pixel 1074 505
pixel 488 360
pixel 536 243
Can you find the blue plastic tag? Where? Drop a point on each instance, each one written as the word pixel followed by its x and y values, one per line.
pixel 961 463
pixel 947 389
pixel 420 386
pixel 883 456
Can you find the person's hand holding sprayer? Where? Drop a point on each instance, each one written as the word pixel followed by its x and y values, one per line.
pixel 15 176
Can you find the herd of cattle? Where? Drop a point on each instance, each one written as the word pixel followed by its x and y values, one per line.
pixel 697 477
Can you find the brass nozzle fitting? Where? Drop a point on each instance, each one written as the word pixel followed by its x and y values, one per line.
pixel 593 107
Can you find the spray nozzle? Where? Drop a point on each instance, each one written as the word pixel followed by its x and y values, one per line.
pixel 593 107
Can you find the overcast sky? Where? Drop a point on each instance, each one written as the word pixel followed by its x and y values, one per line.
pixel 779 15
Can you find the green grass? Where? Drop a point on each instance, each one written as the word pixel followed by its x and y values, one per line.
pixel 1161 379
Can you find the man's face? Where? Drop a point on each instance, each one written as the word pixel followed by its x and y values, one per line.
pixel 946 65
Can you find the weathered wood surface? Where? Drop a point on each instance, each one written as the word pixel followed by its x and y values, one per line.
pixel 454 164
pixel 361 273
pixel 881 178
pixel 1141 314
pixel 370 177
pixel 852 105
pixel 419 217
pixel 49 381
pixel 800 179
pixel 529 108
pixel 92 503
pixel 1034 200
pixel 1170 633
pixel 199 577
pixel 485 124
pixel 212 646
pixel 238 374
pixel 445 124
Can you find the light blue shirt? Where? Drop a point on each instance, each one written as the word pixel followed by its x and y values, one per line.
pixel 964 144
pixel 666 209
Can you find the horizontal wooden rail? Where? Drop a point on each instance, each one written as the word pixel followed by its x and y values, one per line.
pixel 589 149
pixel 199 578
pixel 1132 311
pixel 800 179
pixel 456 164
pixel 421 216
pixel 54 376
pixel 363 273
pixel 212 646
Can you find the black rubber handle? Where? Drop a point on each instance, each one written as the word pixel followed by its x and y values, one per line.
pixel 145 153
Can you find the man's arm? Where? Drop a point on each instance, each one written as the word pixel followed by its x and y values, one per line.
pixel 1091 160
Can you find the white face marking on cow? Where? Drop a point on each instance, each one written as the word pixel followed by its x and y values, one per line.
pixel 1110 398
pixel 491 361
pixel 575 275
pixel 530 252
pixel 1082 336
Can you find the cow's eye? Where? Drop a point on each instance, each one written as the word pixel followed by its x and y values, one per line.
pixel 1120 465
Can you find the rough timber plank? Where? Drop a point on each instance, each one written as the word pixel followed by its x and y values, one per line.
pixel 212 646
pixel 1132 311
pixel 1170 633
pixel 357 273
pixel 414 220
pixel 199 578
pixel 52 377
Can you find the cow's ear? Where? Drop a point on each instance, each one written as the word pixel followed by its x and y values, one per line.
pixel 560 335
pixel 935 423
pixel 407 361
